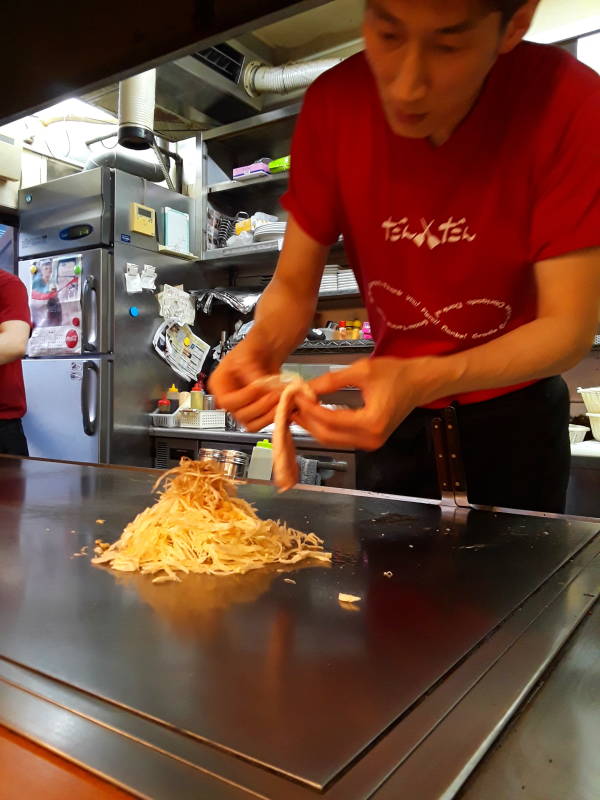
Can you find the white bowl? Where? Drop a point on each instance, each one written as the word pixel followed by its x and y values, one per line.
pixel 591 398
pixel 595 423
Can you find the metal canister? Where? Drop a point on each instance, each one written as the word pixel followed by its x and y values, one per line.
pixel 235 463
pixel 209 454
pixel 209 402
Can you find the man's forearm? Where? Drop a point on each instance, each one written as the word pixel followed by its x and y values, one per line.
pixel 536 350
pixel 282 319
pixel 11 349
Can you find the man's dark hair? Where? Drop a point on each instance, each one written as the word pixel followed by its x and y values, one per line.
pixel 506 7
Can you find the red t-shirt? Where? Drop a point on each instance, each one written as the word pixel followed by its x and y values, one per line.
pixel 13 306
pixel 443 239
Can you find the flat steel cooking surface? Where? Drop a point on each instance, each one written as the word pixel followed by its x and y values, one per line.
pixel 277 672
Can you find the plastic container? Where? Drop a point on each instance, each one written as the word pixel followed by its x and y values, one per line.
pixel 173 397
pixel 164 405
pixel 595 423
pixel 577 433
pixel 161 420
pixel 261 461
pixel 197 397
pixel 591 398
pixel 195 418
pixel 184 400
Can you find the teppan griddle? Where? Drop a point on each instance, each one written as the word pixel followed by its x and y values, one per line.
pixel 252 686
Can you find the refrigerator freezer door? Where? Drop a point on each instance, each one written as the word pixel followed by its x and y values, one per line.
pixel 67 214
pixel 68 408
pixel 91 321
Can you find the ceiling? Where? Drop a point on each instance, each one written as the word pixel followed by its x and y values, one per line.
pixel 185 88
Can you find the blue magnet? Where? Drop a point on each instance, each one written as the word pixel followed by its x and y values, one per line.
pixel 134 311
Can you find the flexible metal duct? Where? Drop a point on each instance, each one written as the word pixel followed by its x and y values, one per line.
pixel 127 162
pixel 259 79
pixel 136 110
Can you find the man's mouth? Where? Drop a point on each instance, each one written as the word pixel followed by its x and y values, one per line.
pixel 409 119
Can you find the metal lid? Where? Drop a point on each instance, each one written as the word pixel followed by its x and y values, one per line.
pixel 209 454
pixel 234 456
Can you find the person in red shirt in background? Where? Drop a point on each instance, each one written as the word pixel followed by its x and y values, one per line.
pixel 15 326
pixel 461 166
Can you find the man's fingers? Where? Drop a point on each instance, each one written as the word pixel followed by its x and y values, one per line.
pixel 336 419
pixel 247 411
pixel 337 379
pixel 248 396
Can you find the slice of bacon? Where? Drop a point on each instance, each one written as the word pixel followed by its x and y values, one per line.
pixel 285 468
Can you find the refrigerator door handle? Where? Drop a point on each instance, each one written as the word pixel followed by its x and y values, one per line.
pixel 89 399
pixel 89 313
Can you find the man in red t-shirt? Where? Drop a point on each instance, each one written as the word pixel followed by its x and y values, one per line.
pixel 461 166
pixel 14 333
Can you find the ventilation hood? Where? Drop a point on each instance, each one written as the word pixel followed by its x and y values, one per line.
pixel 206 88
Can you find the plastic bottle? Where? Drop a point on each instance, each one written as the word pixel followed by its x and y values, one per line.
pixel 173 397
pixel 341 330
pixel 261 461
pixel 366 331
pixel 197 397
pixel 164 405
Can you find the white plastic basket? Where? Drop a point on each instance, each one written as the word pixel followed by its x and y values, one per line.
pixel 194 418
pixel 577 433
pixel 164 420
pixel 595 423
pixel 591 398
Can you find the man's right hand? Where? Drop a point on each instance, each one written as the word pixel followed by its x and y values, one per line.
pixel 238 386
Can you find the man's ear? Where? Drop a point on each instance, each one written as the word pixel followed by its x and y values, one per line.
pixel 518 25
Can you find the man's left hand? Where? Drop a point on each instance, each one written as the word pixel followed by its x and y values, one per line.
pixel 390 390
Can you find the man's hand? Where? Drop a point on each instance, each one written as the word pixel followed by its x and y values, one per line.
pixel 390 388
pixel 237 387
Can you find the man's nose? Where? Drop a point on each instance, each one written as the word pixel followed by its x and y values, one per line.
pixel 410 83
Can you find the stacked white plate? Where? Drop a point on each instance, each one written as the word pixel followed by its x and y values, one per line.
pixel 269 231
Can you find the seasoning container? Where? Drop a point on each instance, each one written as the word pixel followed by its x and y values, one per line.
pixel 261 461
pixel 366 331
pixel 164 405
pixel 209 402
pixel 209 454
pixel 173 397
pixel 197 397
pixel 184 400
pixel 235 463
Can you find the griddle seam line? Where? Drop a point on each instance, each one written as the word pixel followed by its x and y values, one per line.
pixel 131 737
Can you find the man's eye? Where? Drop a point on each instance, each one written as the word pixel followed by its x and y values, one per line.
pixel 447 48
pixel 387 36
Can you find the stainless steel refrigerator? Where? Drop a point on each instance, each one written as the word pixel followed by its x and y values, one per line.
pixel 92 385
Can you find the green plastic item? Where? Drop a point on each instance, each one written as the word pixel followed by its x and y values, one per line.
pixel 279 164
pixel 264 443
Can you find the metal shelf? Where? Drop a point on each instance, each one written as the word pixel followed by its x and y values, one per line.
pixel 342 295
pixel 264 180
pixel 259 253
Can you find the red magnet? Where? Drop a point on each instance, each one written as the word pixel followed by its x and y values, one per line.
pixel 71 339
pixel 75 321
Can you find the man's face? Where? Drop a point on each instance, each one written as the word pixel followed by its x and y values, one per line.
pixel 430 59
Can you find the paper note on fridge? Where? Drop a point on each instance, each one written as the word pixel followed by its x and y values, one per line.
pixel 175 304
pixel 181 349
pixel 133 282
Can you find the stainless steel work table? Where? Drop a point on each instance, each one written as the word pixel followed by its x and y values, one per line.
pixel 255 687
